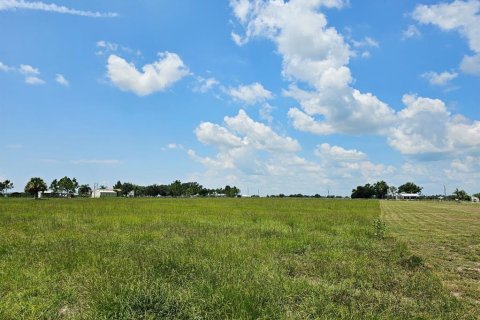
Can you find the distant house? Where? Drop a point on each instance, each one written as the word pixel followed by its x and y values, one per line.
pixel 104 193
pixel 407 196
pixel 475 199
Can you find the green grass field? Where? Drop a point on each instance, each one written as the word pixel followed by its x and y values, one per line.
pixel 212 259
pixel 447 236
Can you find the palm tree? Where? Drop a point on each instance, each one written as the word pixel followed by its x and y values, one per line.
pixel 35 185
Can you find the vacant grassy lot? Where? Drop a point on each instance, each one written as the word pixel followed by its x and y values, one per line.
pixel 447 236
pixel 209 258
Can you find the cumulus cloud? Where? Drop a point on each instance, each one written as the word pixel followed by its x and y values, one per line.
pixel 317 55
pixel 439 79
pixel 252 153
pixel 445 133
pixel 155 77
pixel 61 80
pixel 51 7
pixel 461 16
pixel 250 94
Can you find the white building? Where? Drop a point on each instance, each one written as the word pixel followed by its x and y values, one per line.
pixel 407 196
pixel 475 199
pixel 104 193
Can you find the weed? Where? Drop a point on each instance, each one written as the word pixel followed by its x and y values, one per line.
pixel 380 228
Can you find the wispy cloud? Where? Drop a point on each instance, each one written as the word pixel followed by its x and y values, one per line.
pixel 439 79
pixel 51 7
pixel 33 80
pixel 411 32
pixel 61 80
pixel 5 68
pixel 95 161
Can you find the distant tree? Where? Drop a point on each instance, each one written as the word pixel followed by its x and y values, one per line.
pixel 118 185
pixel 409 187
pixel 67 185
pixel 363 192
pixel 231 192
pixel 5 186
pixel 35 185
pixel 176 188
pixel 477 195
pixel 461 195
pixel 84 190
pixel 381 189
pixel 102 186
pixel 127 187
pixel 54 186
pixel 392 191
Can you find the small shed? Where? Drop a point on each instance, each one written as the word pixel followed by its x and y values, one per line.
pixel 104 193
pixel 475 199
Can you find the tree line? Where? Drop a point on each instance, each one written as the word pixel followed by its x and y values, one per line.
pixel 381 189
pixel 69 187
pixel 174 189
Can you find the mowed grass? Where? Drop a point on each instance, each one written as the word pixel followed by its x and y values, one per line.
pixel 208 259
pixel 447 236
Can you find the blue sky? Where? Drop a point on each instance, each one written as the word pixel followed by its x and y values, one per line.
pixel 270 96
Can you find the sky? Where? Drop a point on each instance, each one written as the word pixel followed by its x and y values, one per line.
pixel 272 96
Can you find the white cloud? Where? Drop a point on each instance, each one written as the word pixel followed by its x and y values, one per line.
pixel 439 79
pixel 108 46
pixel 460 16
pixel 61 80
pixel 213 134
pixel 259 135
pixel 367 42
pixel 154 77
pixel 338 153
pixel 96 161
pixel 252 154
pixel 241 144
pixel 241 8
pixel 471 64
pixel 265 112
pixel 28 69
pixel 237 39
pixel 250 94
pixel 303 122
pixel 33 80
pixel 425 126
pixel 411 32
pixel 317 55
pixel 5 68
pixel 366 54
pixel 205 84
pixel 51 7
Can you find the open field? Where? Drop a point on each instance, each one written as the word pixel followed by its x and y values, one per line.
pixel 209 258
pixel 447 236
